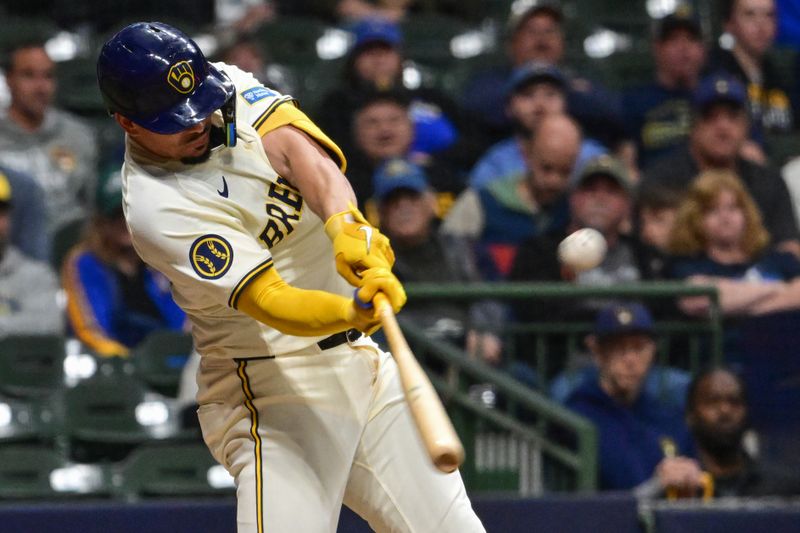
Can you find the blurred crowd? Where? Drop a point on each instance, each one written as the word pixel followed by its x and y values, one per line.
pixel 679 174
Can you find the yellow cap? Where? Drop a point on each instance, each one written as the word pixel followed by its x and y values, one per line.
pixel 5 189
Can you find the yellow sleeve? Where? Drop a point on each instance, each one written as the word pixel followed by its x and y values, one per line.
pixel 283 112
pixel 294 311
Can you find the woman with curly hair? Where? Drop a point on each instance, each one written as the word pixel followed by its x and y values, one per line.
pixel 719 239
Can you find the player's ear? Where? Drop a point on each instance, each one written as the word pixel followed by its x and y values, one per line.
pixel 127 124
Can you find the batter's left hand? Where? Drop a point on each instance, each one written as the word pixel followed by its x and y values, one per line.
pixel 375 280
pixel 357 245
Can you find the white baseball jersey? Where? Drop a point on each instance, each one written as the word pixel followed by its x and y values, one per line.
pixel 213 227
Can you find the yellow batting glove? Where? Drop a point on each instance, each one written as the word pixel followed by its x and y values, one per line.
pixel 365 319
pixel 382 280
pixel 357 245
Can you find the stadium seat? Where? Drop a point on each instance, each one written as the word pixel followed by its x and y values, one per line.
pixel 79 91
pixel 107 416
pixel 426 38
pixel 25 420
pixel 159 360
pixel 175 469
pixel 28 472
pixel 31 365
pixel 291 40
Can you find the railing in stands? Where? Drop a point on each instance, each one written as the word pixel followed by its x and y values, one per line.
pixel 517 439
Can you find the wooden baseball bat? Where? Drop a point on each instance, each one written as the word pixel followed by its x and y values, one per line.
pixel 434 426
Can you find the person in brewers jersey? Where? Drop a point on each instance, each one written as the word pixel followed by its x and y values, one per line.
pixel 239 199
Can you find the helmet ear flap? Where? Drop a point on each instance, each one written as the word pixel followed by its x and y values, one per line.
pixel 229 120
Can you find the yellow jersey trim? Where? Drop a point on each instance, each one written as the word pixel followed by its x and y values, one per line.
pixel 277 115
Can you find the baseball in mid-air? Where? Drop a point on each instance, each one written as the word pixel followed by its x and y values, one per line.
pixel 582 250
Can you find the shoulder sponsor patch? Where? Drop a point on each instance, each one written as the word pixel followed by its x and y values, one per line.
pixel 257 93
pixel 211 256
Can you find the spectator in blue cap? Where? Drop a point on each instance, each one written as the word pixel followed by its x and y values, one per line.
pixel 716 141
pixel 637 430
pixel 535 32
pixel 375 63
pixel 533 91
pixel 408 217
pixel 658 114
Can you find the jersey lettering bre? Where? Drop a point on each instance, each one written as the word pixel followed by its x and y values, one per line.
pixel 213 227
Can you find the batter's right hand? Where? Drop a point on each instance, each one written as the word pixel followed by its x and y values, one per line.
pixel 375 280
pixel 357 245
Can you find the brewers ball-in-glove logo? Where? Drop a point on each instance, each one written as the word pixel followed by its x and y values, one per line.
pixel 211 256
pixel 181 77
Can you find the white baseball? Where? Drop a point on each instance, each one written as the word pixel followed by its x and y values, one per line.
pixel 583 249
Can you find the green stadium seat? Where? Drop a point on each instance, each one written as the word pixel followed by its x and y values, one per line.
pixel 105 417
pixel 38 472
pixel 77 79
pixel 31 365
pixel 24 420
pixel 291 40
pixel 173 469
pixel 159 360
pixel 426 38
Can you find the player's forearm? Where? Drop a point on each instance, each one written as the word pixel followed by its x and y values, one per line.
pixel 294 311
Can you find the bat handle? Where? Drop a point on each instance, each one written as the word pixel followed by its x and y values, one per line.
pixel 381 302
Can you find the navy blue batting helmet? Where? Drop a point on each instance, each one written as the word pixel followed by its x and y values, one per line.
pixel 158 77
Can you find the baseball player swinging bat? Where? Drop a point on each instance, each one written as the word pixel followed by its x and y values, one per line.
pixel 437 432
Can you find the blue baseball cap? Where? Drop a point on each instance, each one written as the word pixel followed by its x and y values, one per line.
pixel 376 30
pixel 396 174
pixel 532 72
pixel 720 87
pixel 622 318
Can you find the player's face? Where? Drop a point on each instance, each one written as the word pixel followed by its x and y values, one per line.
pixel 724 222
pixel 624 361
pixel 718 134
pixel 679 58
pixel 753 24
pixel 383 130
pixel 31 81
pixel 406 217
pixel 600 203
pixel 379 64
pixel 719 415
pixel 530 104
pixel 191 145
pixel 539 38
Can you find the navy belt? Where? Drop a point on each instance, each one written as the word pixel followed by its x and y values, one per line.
pixel 339 338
